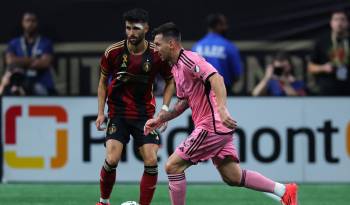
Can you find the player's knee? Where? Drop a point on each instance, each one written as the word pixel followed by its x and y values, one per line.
pixel 151 161
pixel 109 167
pixel 169 168
pixel 172 168
pixel 232 181
pixel 112 160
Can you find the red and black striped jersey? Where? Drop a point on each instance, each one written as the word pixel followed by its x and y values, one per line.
pixel 131 78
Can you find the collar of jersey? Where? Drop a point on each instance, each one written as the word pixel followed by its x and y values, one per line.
pixel 178 58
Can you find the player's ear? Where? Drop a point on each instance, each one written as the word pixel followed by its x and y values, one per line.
pixel 146 27
pixel 171 43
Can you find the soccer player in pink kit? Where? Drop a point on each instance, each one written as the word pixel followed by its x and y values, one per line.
pixel 200 87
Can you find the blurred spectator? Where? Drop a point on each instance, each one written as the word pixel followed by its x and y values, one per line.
pixel 219 51
pixel 330 58
pixel 279 79
pixel 29 62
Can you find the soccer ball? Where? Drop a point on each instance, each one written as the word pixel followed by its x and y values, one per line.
pixel 130 203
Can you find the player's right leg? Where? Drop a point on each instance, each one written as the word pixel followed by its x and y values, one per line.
pixel 108 171
pixel 149 178
pixel 117 136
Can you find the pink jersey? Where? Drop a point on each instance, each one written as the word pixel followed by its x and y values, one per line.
pixel 191 74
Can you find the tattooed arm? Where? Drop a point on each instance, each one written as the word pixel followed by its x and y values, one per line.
pixel 180 106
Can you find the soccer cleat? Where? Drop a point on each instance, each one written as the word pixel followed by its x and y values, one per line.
pixel 100 203
pixel 290 197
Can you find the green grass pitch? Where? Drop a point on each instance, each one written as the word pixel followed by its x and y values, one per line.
pixel 197 194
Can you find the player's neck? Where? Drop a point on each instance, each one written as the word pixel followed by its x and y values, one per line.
pixel 139 48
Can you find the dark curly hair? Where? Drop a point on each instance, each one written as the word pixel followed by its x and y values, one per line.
pixel 136 15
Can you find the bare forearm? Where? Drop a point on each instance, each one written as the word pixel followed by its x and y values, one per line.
pixel 42 63
pixel 169 90
pixel 18 61
pixel 26 62
pixel 315 68
pixel 218 86
pixel 179 107
pixel 260 88
pixel 290 91
pixel 1 89
pixel 102 93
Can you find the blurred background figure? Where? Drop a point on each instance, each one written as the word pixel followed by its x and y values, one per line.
pixel 29 62
pixel 330 59
pixel 219 51
pixel 12 83
pixel 279 79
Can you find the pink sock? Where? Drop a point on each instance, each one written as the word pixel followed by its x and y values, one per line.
pixel 256 181
pixel 177 188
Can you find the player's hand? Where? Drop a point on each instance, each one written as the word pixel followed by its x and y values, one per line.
pixel 226 119
pixel 100 122
pixel 151 125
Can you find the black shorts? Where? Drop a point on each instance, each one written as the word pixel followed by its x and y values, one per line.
pixel 120 128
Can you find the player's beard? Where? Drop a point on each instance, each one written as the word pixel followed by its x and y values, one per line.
pixel 164 56
pixel 137 41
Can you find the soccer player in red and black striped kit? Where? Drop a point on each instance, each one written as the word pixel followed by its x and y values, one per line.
pixel 128 70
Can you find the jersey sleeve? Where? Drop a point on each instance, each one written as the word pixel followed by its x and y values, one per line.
pixel 48 47
pixel 105 67
pixel 203 70
pixel 11 47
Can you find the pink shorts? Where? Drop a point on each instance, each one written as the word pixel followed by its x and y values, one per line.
pixel 202 145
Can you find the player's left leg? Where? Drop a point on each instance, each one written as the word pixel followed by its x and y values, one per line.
pixel 148 147
pixel 233 175
pixel 175 169
pixel 150 175
pixel 186 154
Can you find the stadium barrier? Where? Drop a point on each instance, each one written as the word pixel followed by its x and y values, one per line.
pixel 294 139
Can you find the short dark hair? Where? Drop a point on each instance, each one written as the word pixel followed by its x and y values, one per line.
pixel 168 30
pixel 214 19
pixel 136 15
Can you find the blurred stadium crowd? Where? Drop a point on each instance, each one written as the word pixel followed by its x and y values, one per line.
pixel 29 62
